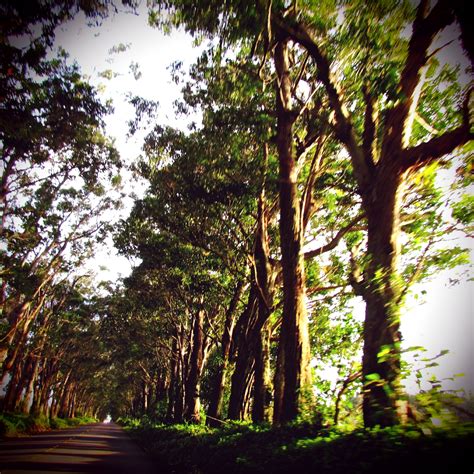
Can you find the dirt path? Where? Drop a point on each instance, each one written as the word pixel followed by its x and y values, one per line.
pixel 100 448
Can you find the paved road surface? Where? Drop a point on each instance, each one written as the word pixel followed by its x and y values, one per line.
pixel 100 448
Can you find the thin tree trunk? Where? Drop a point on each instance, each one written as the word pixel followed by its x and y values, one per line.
pixel 215 406
pixel 71 411
pixel 57 402
pixel 193 386
pixel 6 346
pixel 65 400
pixel 260 409
pixel 174 375
pixel 259 309
pixel 245 358
pixel 345 384
pixel 180 382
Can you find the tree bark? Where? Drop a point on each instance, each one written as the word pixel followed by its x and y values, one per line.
pixel 179 393
pixel 13 393
pixel 30 387
pixel 215 405
pixel 261 398
pixel 193 385
pixel 174 376
pixel 59 395
pixel 381 353
pixel 244 360
pixel 294 354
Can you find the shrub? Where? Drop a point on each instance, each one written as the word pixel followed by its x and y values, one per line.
pixel 245 448
pixel 14 424
pixel 7 427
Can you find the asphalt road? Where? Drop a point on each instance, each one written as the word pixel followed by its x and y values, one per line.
pixel 99 448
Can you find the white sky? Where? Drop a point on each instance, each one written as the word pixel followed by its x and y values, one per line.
pixel 444 321
pixel 154 52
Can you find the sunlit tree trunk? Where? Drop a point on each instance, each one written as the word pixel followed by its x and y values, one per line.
pixel 59 395
pixel 23 317
pixel 65 404
pixel 13 393
pixel 251 359
pixel 71 409
pixel 293 355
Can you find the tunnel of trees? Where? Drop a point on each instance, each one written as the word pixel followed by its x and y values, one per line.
pixel 312 182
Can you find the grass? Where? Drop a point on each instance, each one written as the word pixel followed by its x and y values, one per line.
pixel 17 424
pixel 246 448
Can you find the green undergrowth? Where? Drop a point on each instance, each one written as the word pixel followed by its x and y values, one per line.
pixel 17 424
pixel 246 448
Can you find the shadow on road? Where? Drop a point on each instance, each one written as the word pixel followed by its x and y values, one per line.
pixel 91 449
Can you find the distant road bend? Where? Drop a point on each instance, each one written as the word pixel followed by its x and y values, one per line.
pixel 100 448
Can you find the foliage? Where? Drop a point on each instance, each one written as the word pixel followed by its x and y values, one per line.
pixel 15 424
pixel 244 448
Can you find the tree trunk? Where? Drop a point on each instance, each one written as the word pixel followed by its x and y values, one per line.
pixel 265 277
pixel 244 360
pixel 294 354
pixel 261 399
pixel 215 406
pixel 178 408
pixel 44 400
pixel 30 387
pixel 59 395
pixel 71 410
pixel 259 308
pixel 193 385
pixel 65 400
pixel 381 354
pixel 174 377
pixel 17 336
pixel 14 389
pixel 145 396
pixel 7 347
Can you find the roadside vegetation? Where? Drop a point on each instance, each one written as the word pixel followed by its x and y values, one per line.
pixel 302 447
pixel 16 424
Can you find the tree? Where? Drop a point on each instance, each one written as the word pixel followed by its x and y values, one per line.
pixel 57 163
pixel 384 157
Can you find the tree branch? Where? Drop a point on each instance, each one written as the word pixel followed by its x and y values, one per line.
pixel 429 151
pixel 369 133
pixel 437 147
pixel 307 203
pixel 333 243
pixel 425 27
pixel 343 126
